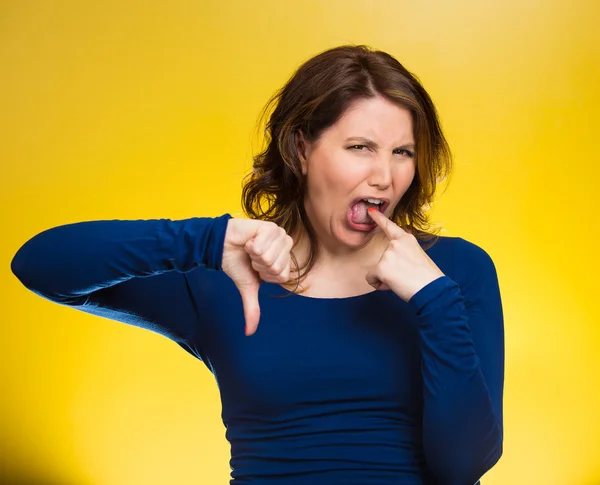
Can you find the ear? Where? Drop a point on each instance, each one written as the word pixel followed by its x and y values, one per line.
pixel 302 147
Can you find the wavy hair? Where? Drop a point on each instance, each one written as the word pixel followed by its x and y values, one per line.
pixel 315 98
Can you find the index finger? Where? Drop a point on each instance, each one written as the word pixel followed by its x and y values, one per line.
pixel 389 228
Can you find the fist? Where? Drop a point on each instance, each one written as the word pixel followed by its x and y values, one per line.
pixel 255 251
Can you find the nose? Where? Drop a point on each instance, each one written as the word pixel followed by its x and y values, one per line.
pixel 381 173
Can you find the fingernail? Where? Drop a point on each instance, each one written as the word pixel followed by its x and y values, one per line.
pixel 371 209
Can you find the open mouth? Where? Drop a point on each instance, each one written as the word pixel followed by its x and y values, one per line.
pixel 379 204
pixel 358 216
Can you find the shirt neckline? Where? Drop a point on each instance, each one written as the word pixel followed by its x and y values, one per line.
pixel 289 294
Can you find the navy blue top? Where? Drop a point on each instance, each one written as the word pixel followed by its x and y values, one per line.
pixel 365 390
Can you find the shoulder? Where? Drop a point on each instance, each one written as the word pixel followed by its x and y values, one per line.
pixel 461 259
pixel 469 253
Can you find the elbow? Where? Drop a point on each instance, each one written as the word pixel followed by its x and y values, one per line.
pixel 31 269
pixel 485 464
pixel 467 466
pixel 482 465
pixel 45 265
pixel 18 266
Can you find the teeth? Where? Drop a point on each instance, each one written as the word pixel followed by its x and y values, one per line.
pixel 374 201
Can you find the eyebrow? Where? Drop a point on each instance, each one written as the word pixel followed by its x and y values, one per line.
pixel 372 144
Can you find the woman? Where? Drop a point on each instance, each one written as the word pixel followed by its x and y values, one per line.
pixel 384 361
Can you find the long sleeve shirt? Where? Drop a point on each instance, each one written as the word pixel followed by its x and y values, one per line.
pixel 367 389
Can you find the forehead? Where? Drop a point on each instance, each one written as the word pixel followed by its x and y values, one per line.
pixel 375 118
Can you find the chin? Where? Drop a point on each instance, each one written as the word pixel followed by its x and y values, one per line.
pixel 353 239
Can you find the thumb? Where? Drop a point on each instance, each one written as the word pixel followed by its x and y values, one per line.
pixel 249 294
pixel 372 278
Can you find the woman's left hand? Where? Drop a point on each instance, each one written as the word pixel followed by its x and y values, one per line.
pixel 404 267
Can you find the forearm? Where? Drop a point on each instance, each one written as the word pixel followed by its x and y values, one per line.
pixel 68 262
pixel 462 435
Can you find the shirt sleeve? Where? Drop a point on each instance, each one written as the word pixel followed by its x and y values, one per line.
pixel 462 345
pixel 132 271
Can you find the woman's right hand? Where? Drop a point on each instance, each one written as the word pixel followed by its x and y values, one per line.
pixel 255 251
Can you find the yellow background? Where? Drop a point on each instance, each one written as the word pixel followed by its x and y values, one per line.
pixel 143 109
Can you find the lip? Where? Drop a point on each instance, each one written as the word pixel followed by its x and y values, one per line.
pixel 367 228
pixel 382 207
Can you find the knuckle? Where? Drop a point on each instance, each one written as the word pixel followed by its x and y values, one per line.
pixel 267 277
pixel 395 244
pixel 256 251
pixel 281 278
pixel 253 247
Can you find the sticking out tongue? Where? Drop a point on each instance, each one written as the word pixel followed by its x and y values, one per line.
pixel 359 213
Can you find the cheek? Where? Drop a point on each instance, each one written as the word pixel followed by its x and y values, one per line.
pixel 332 177
pixel 403 176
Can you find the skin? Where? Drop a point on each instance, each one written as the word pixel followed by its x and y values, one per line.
pixel 340 168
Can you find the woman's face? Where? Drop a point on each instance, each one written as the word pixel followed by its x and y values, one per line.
pixel 367 154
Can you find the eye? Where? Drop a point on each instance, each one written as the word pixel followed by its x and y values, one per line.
pixel 358 147
pixel 407 153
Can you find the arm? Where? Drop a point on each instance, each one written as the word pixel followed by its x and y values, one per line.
pixel 462 345
pixel 132 271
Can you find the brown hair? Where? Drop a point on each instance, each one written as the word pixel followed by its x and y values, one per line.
pixel 314 98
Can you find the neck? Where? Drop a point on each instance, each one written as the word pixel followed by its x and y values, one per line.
pixel 337 271
pixel 331 257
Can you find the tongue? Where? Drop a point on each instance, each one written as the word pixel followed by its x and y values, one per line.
pixel 359 213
